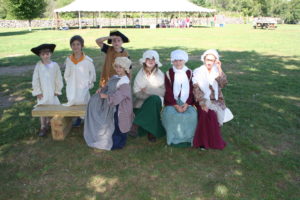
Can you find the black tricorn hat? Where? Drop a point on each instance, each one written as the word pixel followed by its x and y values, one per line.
pixel 37 50
pixel 118 33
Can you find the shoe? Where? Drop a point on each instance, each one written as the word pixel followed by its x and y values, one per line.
pixel 133 131
pixel 202 148
pixel 151 138
pixel 42 132
pixel 133 134
pixel 77 122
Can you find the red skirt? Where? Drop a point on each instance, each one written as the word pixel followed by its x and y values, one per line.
pixel 208 133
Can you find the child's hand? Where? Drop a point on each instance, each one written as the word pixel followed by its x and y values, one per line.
pixel 39 96
pixel 112 37
pixel 55 94
pixel 204 108
pixel 143 90
pixel 178 108
pixel 185 107
pixel 98 91
pixel 103 96
pixel 219 64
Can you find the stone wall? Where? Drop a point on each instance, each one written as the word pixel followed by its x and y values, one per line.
pixel 110 22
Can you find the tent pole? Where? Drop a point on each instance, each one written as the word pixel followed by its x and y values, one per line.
pixel 160 18
pixel 126 20
pixel 120 20
pixel 79 20
pixel 99 19
pixel 156 19
pixel 93 19
pixel 140 19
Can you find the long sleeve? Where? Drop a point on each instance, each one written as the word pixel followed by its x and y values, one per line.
pixel 139 83
pixel 122 93
pixel 36 84
pixel 58 80
pixel 92 76
pixel 190 100
pixel 141 95
pixel 68 71
pixel 222 80
pixel 169 96
pixel 159 91
pixel 198 95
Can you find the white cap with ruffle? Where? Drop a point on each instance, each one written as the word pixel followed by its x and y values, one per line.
pixel 150 54
pixel 208 52
pixel 179 55
pixel 124 62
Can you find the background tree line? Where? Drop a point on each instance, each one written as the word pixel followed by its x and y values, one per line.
pixel 288 10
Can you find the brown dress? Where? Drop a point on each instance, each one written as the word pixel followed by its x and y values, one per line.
pixel 108 70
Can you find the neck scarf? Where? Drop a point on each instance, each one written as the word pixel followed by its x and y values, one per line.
pixel 204 78
pixel 181 86
pixel 73 59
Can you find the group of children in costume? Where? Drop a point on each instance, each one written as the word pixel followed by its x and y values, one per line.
pixel 187 106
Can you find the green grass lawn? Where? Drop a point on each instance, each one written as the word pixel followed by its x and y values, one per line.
pixel 261 160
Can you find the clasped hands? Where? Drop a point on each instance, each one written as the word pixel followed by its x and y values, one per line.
pixel 181 108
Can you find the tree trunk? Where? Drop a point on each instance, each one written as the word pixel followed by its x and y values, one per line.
pixel 29 23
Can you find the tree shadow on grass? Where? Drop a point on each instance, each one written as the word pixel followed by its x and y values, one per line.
pixel 13 33
pixel 260 160
pixel 58 56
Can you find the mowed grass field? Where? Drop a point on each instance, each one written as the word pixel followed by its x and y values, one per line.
pixel 261 160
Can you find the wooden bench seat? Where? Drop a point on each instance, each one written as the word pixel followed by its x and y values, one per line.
pixel 61 122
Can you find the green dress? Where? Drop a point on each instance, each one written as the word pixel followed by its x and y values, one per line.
pixel 148 117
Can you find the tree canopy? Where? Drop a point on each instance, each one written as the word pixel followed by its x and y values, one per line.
pixel 287 10
pixel 25 9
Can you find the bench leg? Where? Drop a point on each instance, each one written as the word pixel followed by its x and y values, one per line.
pixel 60 127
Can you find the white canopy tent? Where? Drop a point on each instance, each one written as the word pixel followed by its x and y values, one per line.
pixel 133 6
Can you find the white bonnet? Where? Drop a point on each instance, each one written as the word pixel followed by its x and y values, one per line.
pixel 150 54
pixel 212 52
pixel 179 55
pixel 124 62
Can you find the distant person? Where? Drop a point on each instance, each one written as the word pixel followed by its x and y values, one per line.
pixel 182 23
pixel 46 82
pixel 116 38
pixel 109 113
pixel 80 75
pixel 172 22
pixel 187 22
pixel 149 90
pixel 208 81
pixel 177 22
pixel 179 117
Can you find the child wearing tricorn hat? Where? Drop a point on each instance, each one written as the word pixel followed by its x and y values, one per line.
pixel 46 81
pixel 116 38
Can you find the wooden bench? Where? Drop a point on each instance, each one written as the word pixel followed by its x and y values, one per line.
pixel 61 122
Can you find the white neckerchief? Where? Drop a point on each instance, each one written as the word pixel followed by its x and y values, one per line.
pixel 123 80
pixel 205 79
pixel 181 84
